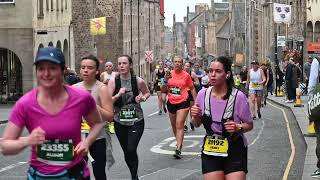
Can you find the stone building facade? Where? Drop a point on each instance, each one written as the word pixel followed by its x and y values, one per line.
pixel 168 41
pixel 313 22
pixel 133 27
pixel 294 31
pixel 24 27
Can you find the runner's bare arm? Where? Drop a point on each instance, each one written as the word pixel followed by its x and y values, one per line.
pixel 143 88
pixel 267 78
pixel 102 77
pixel 96 124
pixel 112 88
pixel 191 87
pixel 106 108
pixel 262 76
pixel 12 143
pixel 195 78
pixel 196 114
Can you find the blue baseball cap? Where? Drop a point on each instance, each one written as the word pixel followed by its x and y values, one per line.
pixel 50 54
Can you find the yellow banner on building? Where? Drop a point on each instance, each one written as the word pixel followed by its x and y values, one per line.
pixel 98 26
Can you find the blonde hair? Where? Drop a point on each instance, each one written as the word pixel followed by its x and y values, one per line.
pixel 178 57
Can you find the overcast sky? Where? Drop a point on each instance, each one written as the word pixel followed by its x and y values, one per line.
pixel 179 7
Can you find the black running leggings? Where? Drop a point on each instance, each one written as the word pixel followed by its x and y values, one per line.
pixel 129 137
pixel 98 151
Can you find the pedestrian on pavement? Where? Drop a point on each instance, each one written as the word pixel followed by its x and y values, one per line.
pixel 279 79
pixel 101 149
pixel 105 77
pixel 313 82
pixel 159 74
pixel 291 80
pixel 243 77
pixel 179 82
pixel 195 80
pixel 306 71
pixel 270 79
pixel 255 83
pixel 265 90
pixel 128 92
pixel 52 113
pixel 224 112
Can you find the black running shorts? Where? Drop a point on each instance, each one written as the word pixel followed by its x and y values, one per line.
pixel 173 108
pixel 236 161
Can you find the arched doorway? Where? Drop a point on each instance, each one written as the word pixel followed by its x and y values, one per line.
pixel 10 76
pixel 317 31
pixel 309 31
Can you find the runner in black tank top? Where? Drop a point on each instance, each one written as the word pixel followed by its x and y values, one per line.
pixel 195 80
pixel 159 74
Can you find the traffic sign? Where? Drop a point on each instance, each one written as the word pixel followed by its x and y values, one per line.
pixel 148 56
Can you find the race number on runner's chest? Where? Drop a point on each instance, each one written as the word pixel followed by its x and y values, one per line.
pixel 255 85
pixel 175 91
pixel 128 115
pixel 55 152
pixel 216 146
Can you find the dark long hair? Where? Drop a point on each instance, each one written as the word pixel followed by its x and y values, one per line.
pixel 227 63
pixel 130 63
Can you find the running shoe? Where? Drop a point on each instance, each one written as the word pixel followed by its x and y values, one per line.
pixel 164 109
pixel 160 112
pixel 316 174
pixel 111 127
pixel 185 128
pixel 289 101
pixel 254 117
pixel 177 154
pixel 192 126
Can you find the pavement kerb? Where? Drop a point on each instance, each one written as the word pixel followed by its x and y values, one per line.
pixel 288 108
pixel 310 147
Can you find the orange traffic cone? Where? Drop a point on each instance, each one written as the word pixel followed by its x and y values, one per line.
pixel 298 102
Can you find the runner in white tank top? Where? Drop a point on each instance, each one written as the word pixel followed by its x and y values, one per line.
pixel 255 83
pixel 108 73
pixel 105 77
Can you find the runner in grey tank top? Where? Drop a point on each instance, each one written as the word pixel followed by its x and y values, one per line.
pixel 128 92
pixel 101 149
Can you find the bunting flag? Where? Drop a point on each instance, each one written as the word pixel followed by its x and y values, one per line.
pixel 281 13
pixel 98 26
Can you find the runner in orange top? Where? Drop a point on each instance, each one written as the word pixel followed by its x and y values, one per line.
pixel 179 82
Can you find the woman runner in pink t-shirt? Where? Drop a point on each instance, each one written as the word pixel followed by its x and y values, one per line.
pixel 52 113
